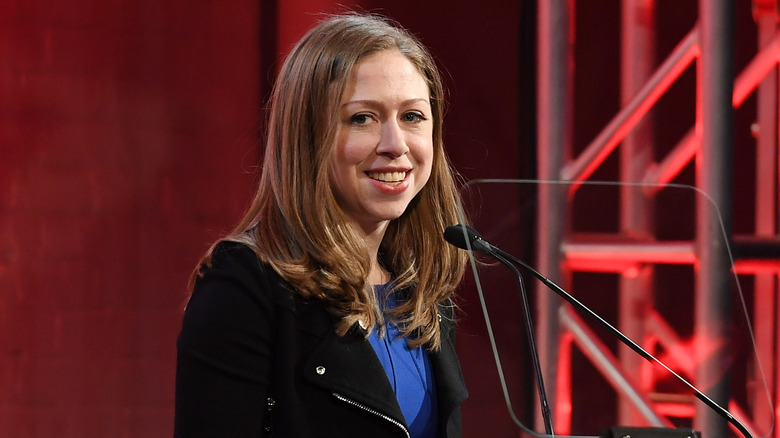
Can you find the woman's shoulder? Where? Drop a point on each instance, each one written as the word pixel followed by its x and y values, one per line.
pixel 235 266
pixel 234 298
pixel 233 250
pixel 236 257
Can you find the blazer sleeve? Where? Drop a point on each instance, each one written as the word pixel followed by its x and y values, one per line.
pixel 225 347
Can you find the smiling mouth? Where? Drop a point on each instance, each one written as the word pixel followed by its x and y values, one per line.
pixel 388 177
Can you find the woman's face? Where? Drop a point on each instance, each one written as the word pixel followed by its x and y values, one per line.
pixel 384 144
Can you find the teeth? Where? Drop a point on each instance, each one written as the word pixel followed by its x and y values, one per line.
pixel 387 176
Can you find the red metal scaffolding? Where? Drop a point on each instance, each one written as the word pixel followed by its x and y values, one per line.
pixel 709 145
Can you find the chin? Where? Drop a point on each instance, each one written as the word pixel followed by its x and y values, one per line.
pixel 389 215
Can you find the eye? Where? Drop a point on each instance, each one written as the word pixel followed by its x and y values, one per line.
pixel 360 119
pixel 413 116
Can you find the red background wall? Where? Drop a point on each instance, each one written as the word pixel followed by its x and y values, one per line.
pixel 129 142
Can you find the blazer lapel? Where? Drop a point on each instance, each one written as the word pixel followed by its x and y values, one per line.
pixel 349 367
pixel 450 386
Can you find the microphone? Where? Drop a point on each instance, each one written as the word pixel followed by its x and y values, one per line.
pixel 459 236
pixel 464 236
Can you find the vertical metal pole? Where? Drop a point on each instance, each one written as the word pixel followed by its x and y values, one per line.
pixel 766 284
pixel 636 213
pixel 714 177
pixel 554 105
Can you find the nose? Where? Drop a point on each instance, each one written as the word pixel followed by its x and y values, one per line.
pixel 393 140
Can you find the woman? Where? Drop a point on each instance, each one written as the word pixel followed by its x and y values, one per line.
pixel 327 311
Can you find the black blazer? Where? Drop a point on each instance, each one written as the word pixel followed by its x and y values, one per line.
pixel 256 360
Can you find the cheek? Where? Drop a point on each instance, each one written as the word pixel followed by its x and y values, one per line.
pixel 426 158
pixel 340 155
pixel 351 150
pixel 336 164
pixel 424 172
pixel 427 173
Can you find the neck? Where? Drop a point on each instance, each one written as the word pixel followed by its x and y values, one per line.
pixel 373 239
pixel 379 275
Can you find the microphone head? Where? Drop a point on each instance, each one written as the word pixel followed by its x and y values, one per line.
pixel 454 235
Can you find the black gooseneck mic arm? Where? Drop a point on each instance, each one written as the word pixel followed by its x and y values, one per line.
pixel 464 236
pixel 529 329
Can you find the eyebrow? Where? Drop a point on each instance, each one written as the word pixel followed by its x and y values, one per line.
pixel 377 103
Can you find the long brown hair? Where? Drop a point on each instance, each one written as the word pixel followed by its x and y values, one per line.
pixel 294 222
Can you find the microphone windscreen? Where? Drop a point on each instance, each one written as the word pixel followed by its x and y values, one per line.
pixel 454 235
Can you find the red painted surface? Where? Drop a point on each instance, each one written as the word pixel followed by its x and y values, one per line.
pixel 126 133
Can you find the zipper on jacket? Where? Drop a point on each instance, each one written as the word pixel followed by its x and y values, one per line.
pixel 268 421
pixel 372 411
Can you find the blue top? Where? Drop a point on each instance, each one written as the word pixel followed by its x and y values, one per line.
pixel 409 372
